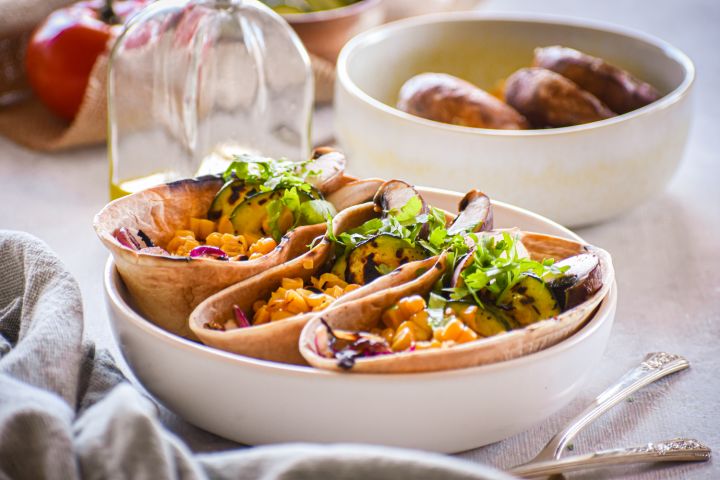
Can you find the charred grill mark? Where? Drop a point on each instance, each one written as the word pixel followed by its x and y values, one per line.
pixel 399 253
pixel 194 181
pixel 527 300
pixel 262 201
pixel 535 308
pixel 370 271
pixel 235 190
pixel 145 239
pixel 521 289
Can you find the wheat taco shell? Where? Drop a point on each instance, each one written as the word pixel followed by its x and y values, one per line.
pixel 278 341
pixel 166 289
pixel 365 313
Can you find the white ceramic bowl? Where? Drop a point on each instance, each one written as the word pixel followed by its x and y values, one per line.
pixel 575 175
pixel 258 402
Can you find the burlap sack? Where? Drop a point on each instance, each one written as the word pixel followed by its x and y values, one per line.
pixel 26 121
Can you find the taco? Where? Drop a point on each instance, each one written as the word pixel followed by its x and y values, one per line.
pixel 176 244
pixel 371 248
pixel 502 295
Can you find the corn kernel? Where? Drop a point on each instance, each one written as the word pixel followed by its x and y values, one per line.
pixel 392 317
pixel 402 340
pixel 295 302
pixel 186 247
pixel 351 287
pixel 388 334
pixel 308 264
pixel 316 299
pixel 418 332
pixel 202 227
pixel 335 292
pixel 262 315
pixel 292 283
pixel 421 320
pixel 185 233
pixel 214 239
pixel 262 246
pixel 329 280
pixel 466 335
pixel 450 332
pixel 411 304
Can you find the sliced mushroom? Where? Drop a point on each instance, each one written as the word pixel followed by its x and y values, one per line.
pixel 354 193
pixel 329 165
pixel 579 282
pixel 395 194
pixel 476 214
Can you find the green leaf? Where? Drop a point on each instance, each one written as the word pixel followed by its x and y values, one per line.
pixel 290 201
pixel 436 301
pixel 409 211
pixel 495 266
pixel 315 211
pixel 268 174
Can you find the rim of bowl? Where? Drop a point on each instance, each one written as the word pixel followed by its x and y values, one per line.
pixel 112 280
pixel 332 14
pixel 384 32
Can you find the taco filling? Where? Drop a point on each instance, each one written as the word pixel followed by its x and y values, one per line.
pixel 493 287
pixel 260 201
pixel 398 235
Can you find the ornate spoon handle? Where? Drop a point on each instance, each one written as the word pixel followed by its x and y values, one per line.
pixel 677 450
pixel 654 367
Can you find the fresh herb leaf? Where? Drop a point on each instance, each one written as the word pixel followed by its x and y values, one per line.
pixel 289 202
pixel 495 266
pixel 268 174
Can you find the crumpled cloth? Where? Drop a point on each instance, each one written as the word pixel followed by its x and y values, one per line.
pixel 67 411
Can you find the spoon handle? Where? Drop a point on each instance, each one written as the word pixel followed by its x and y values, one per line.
pixel 677 450
pixel 655 366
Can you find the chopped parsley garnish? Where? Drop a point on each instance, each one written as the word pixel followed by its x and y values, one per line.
pixel 268 174
pixel 495 267
pixel 405 222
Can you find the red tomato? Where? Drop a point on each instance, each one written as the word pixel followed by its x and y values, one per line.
pixel 64 48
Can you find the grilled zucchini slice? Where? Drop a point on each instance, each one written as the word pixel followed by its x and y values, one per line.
pixel 378 255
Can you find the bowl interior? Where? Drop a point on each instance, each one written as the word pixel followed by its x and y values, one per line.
pixel 498 400
pixel 484 50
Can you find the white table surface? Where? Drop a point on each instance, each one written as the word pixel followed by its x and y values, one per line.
pixel 665 254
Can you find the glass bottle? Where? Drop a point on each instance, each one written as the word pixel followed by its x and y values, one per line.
pixel 192 83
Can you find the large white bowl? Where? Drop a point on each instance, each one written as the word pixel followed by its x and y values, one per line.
pixel 574 175
pixel 258 402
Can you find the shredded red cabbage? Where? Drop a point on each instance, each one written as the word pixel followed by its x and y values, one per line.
pixel 240 318
pixel 126 239
pixel 206 251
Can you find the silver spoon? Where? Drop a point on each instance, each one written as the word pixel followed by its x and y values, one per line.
pixel 654 367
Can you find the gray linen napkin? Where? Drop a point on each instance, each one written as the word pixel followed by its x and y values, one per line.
pixel 66 411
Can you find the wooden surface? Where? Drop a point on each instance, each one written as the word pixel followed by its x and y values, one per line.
pixel 665 254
